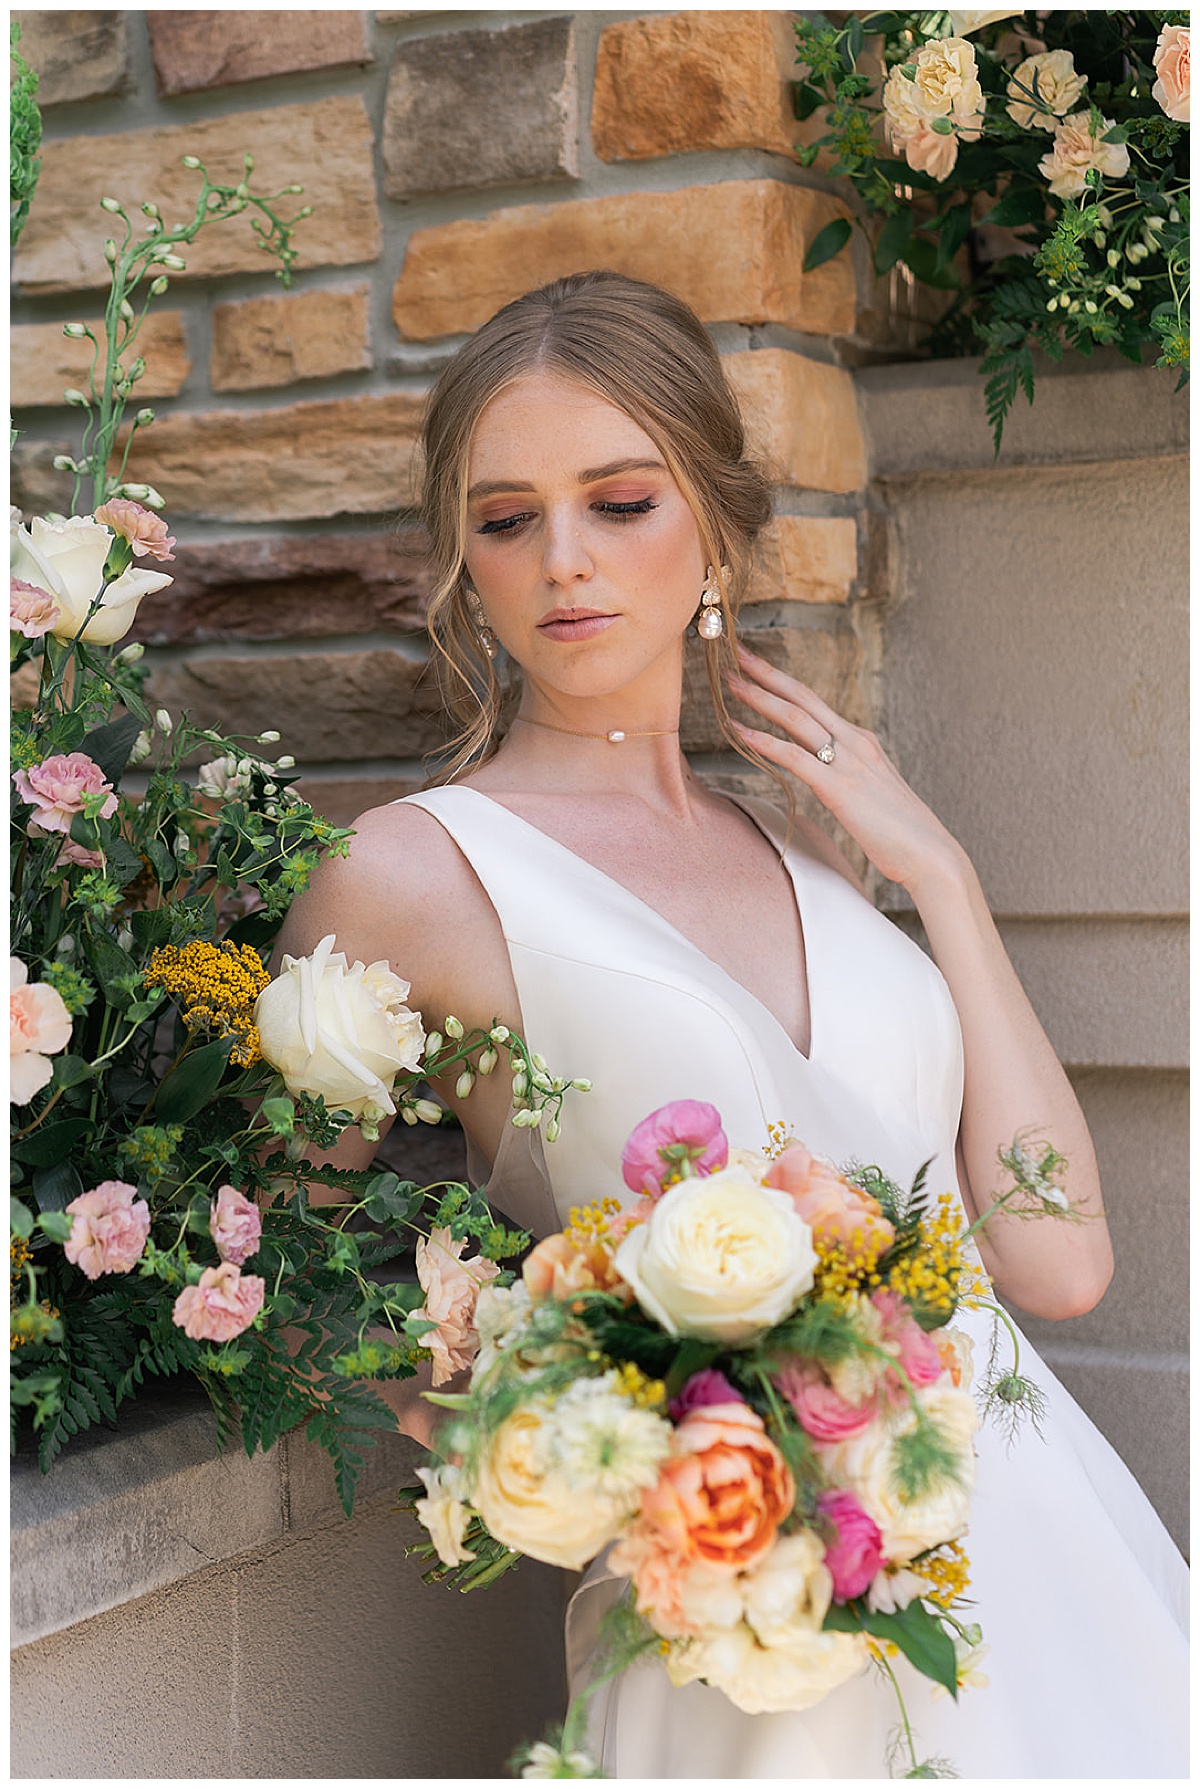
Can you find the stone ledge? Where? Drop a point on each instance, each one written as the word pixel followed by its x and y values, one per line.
pixel 124 1513
pixel 929 416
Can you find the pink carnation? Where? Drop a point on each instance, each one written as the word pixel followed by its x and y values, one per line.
pixel 689 1122
pixel 224 1304
pixel 451 1291
pixel 708 1387
pixel 31 611
pixel 55 789
pixel 235 1225
pixel 856 1553
pixel 821 1411
pixel 79 855
pixel 145 532
pixel 108 1230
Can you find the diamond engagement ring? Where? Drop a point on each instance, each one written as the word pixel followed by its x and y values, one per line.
pixel 827 752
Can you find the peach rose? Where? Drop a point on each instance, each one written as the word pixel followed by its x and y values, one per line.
pixel 1173 66
pixel 559 1268
pixel 451 1289
pixel 39 1025
pixel 109 1228
pixel 1076 151
pixel 723 1493
pixel 55 789
pixel 834 1210
pixel 145 532
pixel 235 1225
pixel 224 1304
pixel 680 1596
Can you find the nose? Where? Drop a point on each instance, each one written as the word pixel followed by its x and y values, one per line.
pixel 565 556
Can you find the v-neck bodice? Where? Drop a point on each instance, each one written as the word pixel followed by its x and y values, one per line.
pixel 611 990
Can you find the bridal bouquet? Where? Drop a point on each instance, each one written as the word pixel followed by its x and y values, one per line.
pixel 745 1385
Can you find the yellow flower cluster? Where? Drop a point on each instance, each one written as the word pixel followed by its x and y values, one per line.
pixel 639 1388
pixel 948 1573
pixel 779 1135
pixel 19 1256
pixel 930 1276
pixel 840 1276
pixel 587 1225
pixel 216 985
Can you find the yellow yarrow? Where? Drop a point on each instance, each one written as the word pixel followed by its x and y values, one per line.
pixel 216 985
pixel 930 1276
pixel 639 1388
pixel 947 1572
pixel 840 1275
pixel 588 1225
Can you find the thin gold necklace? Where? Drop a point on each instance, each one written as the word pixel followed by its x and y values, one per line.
pixel 615 737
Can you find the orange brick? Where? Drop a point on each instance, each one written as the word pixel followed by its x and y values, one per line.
pixel 802 417
pixel 261 342
pixel 44 361
pixel 805 559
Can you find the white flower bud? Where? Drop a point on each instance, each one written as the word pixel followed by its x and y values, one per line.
pixel 159 286
pixel 287 762
pixel 111 204
pixel 1125 302
pixel 75 398
pixel 150 208
pixel 433 1044
pixel 1052 304
pixel 191 161
pixel 1113 291
pixel 125 938
pixel 488 1061
pixel 1113 258
pixel 1154 224
pixel 542 1080
pixel 270 788
pixel 174 263
pixel 427 1111
pixel 408 1115
pixel 520 1086
pixel 162 720
pixel 77 331
pixel 538 1061
pixel 1133 285
pixel 1105 216
pixel 268 738
pixel 1173 214
pixel 65 946
pixel 534 1118
pixel 141 748
pixel 581 1084
pixel 130 655
pixel 126 310
pixel 453 1027
pixel 552 1130
pixel 182 844
pixel 62 462
pixel 522 1119
pixel 143 417
pixel 1100 239
pixel 464 1084
pixel 110 252
pixel 271 811
pixel 1090 307
pixel 499 1034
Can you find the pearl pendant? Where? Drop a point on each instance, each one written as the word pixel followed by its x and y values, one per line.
pixel 615 737
pixel 710 625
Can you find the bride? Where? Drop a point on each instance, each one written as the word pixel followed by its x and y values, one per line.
pixel 589 499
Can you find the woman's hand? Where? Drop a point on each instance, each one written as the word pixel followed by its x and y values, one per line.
pixel 860 785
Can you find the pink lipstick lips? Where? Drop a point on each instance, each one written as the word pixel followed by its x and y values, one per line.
pixel 574 624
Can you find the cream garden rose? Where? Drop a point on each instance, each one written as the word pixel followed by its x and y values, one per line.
pixel 339 1030
pixel 865 1465
pixel 1058 86
pixel 528 1502
pixel 65 558
pixel 721 1257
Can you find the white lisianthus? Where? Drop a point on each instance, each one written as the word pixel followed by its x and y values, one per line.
pixel 528 1501
pixel 65 558
pixel 768 1679
pixel 338 1030
pixel 720 1257
pixel 865 1465
pixel 967 1660
pixel 444 1512
pixel 1058 86
pixel 224 778
pixel 603 1442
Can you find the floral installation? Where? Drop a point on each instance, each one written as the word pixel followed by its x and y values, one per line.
pixel 1032 166
pixel 745 1384
pixel 165 1087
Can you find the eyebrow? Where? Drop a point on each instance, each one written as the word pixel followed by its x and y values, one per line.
pixel 490 487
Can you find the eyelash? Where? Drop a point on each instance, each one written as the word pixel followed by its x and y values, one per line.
pixel 616 512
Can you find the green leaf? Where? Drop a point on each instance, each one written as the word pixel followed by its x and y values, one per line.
pixel 827 243
pixel 69 1071
pixel 152 928
pixel 893 239
pixel 854 42
pixel 805 99
pixel 110 963
pixel 922 258
pixel 919 1635
pixel 693 1357
pixel 1019 205
pixel 56 1225
pixel 193 1082
pixel 122 862
pixel 55 1187
pixel 955 224
pixel 20 1218
pixel 51 1143
pixel 110 745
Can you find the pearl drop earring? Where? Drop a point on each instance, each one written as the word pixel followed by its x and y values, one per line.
pixel 711 624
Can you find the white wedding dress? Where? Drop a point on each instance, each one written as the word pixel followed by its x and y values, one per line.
pixel 1081 1594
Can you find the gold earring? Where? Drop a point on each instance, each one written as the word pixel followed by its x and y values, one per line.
pixel 487 638
pixel 711 624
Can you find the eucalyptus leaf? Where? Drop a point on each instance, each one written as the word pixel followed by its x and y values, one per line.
pixel 192 1082
pixel 827 243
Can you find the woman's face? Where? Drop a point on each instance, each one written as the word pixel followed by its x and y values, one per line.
pixel 584 552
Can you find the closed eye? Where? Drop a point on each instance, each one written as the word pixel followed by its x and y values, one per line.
pixel 617 512
pixel 620 511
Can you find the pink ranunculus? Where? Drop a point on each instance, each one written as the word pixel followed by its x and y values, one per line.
pixel 835 1210
pixel 451 1293
pixel 687 1122
pixel 235 1225
pixel 39 1025
pixel 31 611
pixel 224 1304
pixel 702 1389
pixel 108 1230
pixel 903 1336
pixel 1173 66
pixel 145 532
pixel 820 1410
pixel 857 1553
pixel 55 789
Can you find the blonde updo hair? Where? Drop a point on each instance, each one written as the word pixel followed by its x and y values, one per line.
pixel 646 352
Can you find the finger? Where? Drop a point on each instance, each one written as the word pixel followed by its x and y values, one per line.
pixel 802 763
pixel 781 683
pixel 799 725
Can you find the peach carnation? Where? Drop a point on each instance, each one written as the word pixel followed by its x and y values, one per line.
pixel 145 532
pixel 55 789
pixel 451 1288
pixel 836 1211
pixel 1077 150
pixel 31 611
pixel 225 1302
pixel 39 1025
pixel 721 1496
pixel 109 1227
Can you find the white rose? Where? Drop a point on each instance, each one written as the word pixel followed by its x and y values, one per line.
pixel 1058 86
pixel 768 1679
pixel 65 558
pixel 864 1464
pixel 339 1031
pixel 720 1257
pixel 964 23
pixel 788 1592
pixel 444 1513
pixel 531 1505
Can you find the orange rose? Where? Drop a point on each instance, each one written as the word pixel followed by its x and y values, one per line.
pixel 682 1596
pixel 725 1490
pixel 559 1268
pixel 834 1210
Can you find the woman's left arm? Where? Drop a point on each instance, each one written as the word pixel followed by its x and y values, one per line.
pixel 1013 1082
